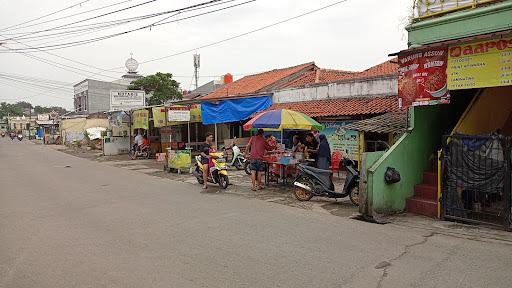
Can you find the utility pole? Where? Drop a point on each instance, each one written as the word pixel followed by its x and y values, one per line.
pixel 197 65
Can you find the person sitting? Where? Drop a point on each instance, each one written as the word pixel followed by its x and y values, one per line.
pixel 137 142
pixel 297 147
pixel 145 142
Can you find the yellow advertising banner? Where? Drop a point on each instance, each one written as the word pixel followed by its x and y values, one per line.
pixel 159 119
pixel 480 64
pixel 140 119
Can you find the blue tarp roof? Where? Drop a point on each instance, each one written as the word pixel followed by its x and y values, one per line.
pixel 232 110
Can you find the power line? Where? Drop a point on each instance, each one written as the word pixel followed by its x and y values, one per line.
pixel 68 16
pixel 68 59
pixel 44 16
pixel 238 35
pixel 91 18
pixel 83 42
pixel 244 34
pixel 29 90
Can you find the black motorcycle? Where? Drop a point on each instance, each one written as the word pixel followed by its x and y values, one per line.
pixel 312 181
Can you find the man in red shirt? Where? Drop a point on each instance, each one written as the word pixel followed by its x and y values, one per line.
pixel 257 147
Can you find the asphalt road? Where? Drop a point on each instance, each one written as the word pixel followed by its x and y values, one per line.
pixel 70 222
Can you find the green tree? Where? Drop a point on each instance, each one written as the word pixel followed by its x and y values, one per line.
pixel 21 108
pixel 160 86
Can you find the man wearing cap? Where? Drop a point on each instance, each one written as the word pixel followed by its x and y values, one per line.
pixel 257 147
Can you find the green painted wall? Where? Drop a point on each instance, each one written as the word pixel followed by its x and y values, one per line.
pixel 482 20
pixel 409 156
pixel 368 160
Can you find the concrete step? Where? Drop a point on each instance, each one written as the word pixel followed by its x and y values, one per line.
pixel 430 177
pixel 426 191
pixel 421 206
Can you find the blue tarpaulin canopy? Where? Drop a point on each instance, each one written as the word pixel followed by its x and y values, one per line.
pixel 231 110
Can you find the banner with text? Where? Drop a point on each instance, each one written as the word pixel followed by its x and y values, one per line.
pixel 422 77
pixel 345 141
pixel 140 119
pixel 481 64
pixel 159 117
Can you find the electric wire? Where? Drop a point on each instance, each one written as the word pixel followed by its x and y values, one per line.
pixel 83 42
pixel 44 16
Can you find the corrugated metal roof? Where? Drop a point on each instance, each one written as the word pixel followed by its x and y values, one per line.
pixel 387 123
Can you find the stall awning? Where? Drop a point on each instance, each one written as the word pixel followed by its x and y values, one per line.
pixel 394 122
pixel 231 110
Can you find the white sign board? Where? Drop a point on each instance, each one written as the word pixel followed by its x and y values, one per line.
pixel 123 100
pixel 178 115
pixel 43 117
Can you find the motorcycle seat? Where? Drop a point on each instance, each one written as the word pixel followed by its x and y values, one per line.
pixel 316 170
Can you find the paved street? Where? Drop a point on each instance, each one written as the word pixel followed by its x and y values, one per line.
pixel 71 222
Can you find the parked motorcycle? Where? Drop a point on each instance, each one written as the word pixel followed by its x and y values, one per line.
pixel 12 135
pixel 142 153
pixel 238 158
pixel 312 181
pixel 218 174
pixel 20 137
pixel 3 134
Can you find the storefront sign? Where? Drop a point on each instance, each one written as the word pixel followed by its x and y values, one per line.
pixel 43 117
pixel 422 77
pixel 179 159
pixel 159 117
pixel 481 64
pixel 140 119
pixel 124 100
pixel 178 115
pixel 345 141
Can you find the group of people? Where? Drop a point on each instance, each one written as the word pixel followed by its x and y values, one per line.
pixel 140 140
pixel 316 147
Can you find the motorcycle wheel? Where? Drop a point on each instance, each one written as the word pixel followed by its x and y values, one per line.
pixel 199 180
pixel 239 165
pixel 247 167
pixel 223 181
pixel 303 194
pixel 133 154
pixel 148 155
pixel 354 194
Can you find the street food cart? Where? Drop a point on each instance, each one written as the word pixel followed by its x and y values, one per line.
pixel 281 162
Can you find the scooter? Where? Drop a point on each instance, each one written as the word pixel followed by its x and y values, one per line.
pixel 3 134
pixel 238 158
pixel 20 137
pixel 312 181
pixel 218 174
pixel 142 153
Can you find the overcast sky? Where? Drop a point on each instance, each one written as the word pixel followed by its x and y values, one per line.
pixel 353 35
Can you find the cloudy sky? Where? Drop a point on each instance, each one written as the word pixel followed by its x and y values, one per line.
pixel 352 35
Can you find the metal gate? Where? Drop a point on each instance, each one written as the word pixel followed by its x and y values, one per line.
pixel 476 179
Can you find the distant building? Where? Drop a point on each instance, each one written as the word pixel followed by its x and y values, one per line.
pixel 92 96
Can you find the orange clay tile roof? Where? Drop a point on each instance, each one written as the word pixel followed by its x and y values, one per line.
pixel 257 83
pixel 327 75
pixel 385 68
pixel 343 107
pixel 320 76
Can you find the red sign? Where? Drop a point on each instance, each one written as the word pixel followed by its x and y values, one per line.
pixel 422 77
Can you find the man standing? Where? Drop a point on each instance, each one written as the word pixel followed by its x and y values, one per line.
pixel 312 147
pixel 257 147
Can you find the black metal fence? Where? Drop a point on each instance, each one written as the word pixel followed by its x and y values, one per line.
pixel 476 179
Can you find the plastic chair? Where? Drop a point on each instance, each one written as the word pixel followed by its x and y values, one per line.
pixel 336 158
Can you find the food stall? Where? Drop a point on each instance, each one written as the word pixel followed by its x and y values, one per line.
pixel 281 162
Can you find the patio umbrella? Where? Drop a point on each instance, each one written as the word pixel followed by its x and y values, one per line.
pixel 281 119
